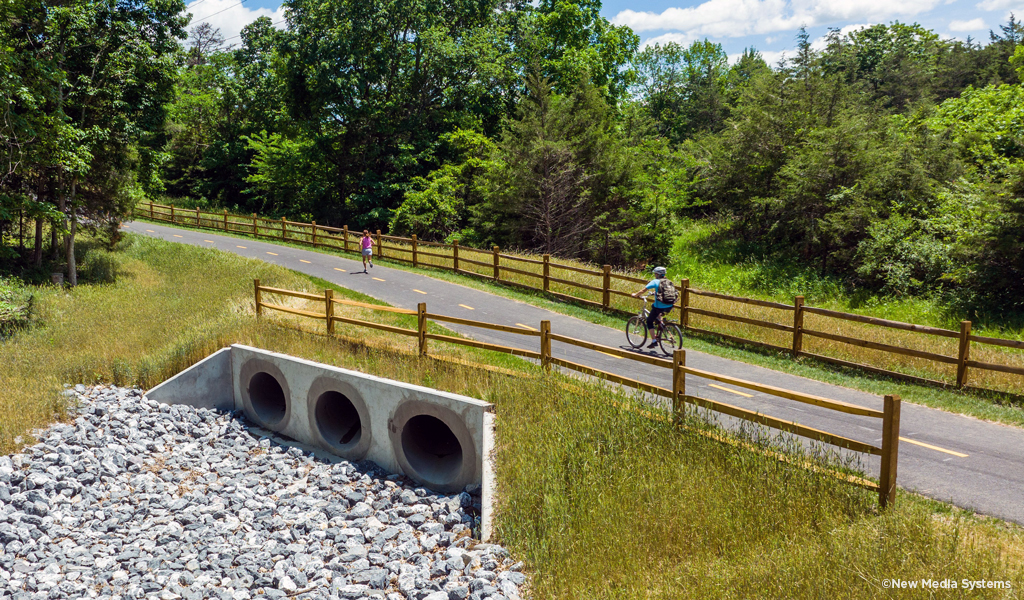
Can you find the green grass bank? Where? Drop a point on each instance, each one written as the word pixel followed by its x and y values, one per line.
pixel 599 502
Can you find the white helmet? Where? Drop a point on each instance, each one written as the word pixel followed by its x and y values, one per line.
pixel 660 271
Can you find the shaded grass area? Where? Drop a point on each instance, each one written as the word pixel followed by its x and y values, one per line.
pixel 599 501
pixel 16 301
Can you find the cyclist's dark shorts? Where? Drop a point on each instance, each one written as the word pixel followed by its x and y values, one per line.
pixel 654 314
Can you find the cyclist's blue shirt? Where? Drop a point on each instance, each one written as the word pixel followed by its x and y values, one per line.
pixel 653 285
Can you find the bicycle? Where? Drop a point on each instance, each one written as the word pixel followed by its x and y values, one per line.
pixel 669 335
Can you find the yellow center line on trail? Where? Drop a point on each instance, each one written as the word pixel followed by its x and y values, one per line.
pixel 467 307
pixel 418 291
pixel 150 231
pixel 342 270
pixel 526 327
pixel 242 247
pixel 377 279
pixel 208 241
pixel 930 447
pixel 725 389
pixel 176 235
pixel 272 253
pixel 305 261
pixel 611 355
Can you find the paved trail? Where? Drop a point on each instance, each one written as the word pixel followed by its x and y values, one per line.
pixel 971 463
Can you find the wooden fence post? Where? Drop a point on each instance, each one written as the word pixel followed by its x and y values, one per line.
pixel 606 298
pixel 329 310
pixel 197 218
pixel 798 325
pixel 684 308
pixel 380 246
pixel 545 345
pixel 415 262
pixel 259 299
pixel 150 210
pixel 678 383
pixel 497 271
pixel 314 234
pixel 284 228
pixel 455 255
pixel 547 271
pixel 964 354
pixel 421 326
pixel 172 213
pixel 890 451
pixel 344 236
pixel 254 234
pixel 225 219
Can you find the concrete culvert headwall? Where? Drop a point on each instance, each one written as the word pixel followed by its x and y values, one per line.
pixel 432 450
pixel 267 398
pixel 442 441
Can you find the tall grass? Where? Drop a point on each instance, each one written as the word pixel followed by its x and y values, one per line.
pixel 607 504
pixel 599 501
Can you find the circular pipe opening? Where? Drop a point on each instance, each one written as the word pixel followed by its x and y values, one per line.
pixel 338 420
pixel 432 449
pixel 267 398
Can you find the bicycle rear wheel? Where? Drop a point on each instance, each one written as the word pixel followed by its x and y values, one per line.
pixel 671 338
pixel 636 331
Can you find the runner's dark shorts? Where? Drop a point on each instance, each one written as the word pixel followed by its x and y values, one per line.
pixel 654 314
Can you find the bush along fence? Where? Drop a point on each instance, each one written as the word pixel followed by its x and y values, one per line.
pixel 890 415
pixel 916 353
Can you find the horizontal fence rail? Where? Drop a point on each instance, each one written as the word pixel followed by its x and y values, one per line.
pixel 605 290
pixel 888 451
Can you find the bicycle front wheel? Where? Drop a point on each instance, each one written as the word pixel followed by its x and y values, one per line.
pixel 636 332
pixel 671 338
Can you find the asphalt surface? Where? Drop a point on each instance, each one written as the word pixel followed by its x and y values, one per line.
pixel 971 463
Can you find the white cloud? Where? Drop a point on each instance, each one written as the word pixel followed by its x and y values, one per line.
pixel 772 57
pixel 822 42
pixel 229 16
pixel 972 25
pixel 737 18
pixel 996 4
pixel 680 38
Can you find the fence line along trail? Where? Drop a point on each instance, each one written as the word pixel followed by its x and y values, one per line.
pixel 919 353
pixel 949 457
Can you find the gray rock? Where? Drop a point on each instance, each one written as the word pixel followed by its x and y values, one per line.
pixel 176 502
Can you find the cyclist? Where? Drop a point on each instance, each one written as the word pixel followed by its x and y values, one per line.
pixel 659 308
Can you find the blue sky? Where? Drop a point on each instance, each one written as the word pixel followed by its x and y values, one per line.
pixel 768 25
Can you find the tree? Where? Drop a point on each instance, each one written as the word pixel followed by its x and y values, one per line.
pixel 118 58
pixel 685 89
pixel 567 41
pixel 373 84
pixel 559 169
pixel 437 206
pixel 203 40
pixel 996 55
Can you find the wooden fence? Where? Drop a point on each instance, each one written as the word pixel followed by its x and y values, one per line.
pixel 890 415
pixel 783 329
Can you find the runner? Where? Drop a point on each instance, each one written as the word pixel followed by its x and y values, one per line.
pixel 366 242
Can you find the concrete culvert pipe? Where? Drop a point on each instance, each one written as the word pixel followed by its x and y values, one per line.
pixel 338 420
pixel 432 449
pixel 267 398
